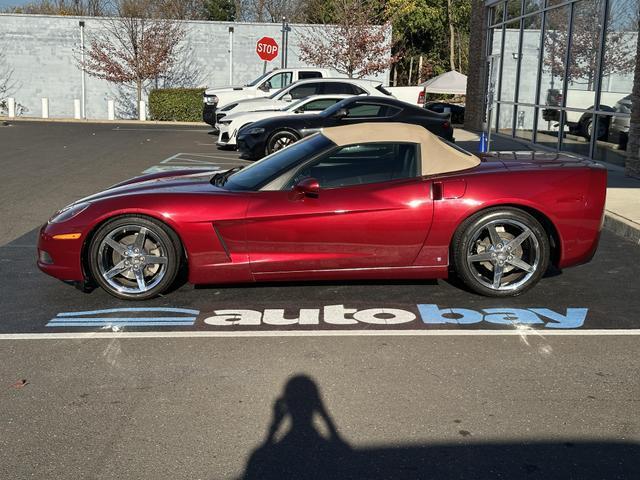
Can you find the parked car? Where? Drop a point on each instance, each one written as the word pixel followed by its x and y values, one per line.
pixel 230 124
pixel 267 136
pixel 455 110
pixel 366 201
pixel 306 88
pixel 263 86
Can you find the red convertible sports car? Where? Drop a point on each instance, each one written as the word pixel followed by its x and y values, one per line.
pixel 367 201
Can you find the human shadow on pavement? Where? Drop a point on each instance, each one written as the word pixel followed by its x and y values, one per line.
pixel 303 453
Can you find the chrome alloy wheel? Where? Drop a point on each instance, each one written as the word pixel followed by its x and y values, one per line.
pixel 132 259
pixel 503 254
pixel 282 140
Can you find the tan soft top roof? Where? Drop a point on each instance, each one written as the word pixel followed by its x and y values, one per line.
pixel 437 156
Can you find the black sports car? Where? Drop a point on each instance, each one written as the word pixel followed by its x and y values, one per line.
pixel 267 136
pixel 456 111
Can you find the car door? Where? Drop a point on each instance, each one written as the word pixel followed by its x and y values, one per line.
pixel 372 211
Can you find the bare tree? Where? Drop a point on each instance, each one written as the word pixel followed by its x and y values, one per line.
pixel 353 46
pixel 94 8
pixel 134 49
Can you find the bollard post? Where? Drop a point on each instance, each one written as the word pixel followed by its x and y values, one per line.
pixel 143 111
pixel 483 143
pixel 11 106
pixel 111 110
pixel 45 107
pixel 76 109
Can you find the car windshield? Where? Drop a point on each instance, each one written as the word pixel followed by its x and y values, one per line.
pixel 274 95
pixel 258 80
pixel 263 171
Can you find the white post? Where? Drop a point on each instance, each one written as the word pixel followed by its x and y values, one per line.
pixel 76 109
pixel 231 55
pixel 45 107
pixel 11 106
pixel 143 111
pixel 420 70
pixel 83 85
pixel 111 110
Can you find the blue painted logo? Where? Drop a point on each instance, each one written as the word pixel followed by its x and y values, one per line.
pixel 132 317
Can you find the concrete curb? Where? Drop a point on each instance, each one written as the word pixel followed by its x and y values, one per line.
pixel 115 122
pixel 622 227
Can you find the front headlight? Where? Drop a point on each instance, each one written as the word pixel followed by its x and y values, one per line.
pixel 255 131
pixel 67 213
pixel 210 99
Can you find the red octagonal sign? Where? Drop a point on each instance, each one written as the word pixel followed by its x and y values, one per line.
pixel 267 49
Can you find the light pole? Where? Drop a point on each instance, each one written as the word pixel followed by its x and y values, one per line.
pixel 83 97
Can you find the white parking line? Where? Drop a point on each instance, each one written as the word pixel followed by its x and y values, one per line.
pixel 320 333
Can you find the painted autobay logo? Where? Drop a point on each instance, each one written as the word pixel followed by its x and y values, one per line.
pixel 427 314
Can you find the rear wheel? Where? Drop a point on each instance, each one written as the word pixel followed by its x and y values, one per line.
pixel 134 258
pixel 501 252
pixel 280 140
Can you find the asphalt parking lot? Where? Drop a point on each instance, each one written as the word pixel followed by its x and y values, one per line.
pixel 424 380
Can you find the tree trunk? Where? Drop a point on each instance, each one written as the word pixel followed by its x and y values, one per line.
pixel 452 43
pixel 474 115
pixel 632 163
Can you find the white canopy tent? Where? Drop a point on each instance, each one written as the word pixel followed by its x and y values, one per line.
pixel 452 82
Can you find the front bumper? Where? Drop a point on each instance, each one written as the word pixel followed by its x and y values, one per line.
pixel 227 137
pixel 209 114
pixel 60 258
pixel 251 147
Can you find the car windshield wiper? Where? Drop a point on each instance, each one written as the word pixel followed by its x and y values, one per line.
pixel 220 178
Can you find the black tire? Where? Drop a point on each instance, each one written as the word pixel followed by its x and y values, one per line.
pixel 280 139
pixel 586 128
pixel 159 242
pixel 473 242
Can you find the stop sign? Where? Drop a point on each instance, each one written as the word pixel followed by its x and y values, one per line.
pixel 267 49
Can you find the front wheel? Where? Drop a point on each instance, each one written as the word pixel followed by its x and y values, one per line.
pixel 134 258
pixel 501 252
pixel 280 140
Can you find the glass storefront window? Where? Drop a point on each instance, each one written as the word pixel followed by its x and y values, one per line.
pixel 498 13
pixel 577 133
pixel 524 122
pixel 613 134
pixel 583 55
pixel 548 126
pixel 514 9
pixel 553 57
pixel 510 61
pixel 619 58
pixel 531 6
pixel 530 57
pixel 505 119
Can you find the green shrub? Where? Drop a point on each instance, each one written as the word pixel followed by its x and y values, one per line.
pixel 176 104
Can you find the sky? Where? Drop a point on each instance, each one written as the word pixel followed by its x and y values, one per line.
pixel 12 3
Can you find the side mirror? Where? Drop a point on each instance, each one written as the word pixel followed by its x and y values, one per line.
pixel 307 187
pixel 343 112
pixel 287 97
pixel 265 87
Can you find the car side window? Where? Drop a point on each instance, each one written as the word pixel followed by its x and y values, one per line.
pixel 342 88
pixel 305 75
pixel 361 164
pixel 366 110
pixel 319 105
pixel 279 80
pixel 303 91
